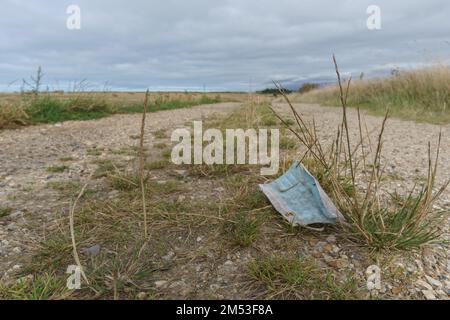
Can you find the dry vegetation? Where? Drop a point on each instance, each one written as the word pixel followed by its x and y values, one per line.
pixel 422 95
pixel 33 108
pixel 352 175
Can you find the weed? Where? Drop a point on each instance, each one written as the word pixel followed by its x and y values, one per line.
pixel 66 159
pixel 94 152
pixel 5 211
pixel 242 229
pixel 44 286
pixel 57 169
pixel 298 278
pixel 160 134
pixel 379 224
pixel 155 165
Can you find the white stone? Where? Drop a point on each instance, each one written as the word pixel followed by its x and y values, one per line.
pixel 160 283
pixel 424 285
pixel 429 294
pixel 433 282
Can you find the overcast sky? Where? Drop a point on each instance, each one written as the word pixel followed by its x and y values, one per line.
pixel 219 45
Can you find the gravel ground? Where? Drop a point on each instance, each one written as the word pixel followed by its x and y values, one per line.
pixel 27 153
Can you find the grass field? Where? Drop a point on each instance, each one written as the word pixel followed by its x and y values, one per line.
pixel 27 109
pixel 422 95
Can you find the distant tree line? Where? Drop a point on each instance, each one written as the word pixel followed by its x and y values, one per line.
pixel 307 86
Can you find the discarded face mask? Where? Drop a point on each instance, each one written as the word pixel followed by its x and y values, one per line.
pixel 298 196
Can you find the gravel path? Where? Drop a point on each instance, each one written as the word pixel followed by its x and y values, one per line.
pixel 27 153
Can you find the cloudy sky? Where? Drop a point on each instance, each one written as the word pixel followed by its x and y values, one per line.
pixel 217 45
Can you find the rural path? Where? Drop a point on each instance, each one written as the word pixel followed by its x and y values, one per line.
pixel 26 154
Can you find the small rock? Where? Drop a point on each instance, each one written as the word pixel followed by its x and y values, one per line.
pixel 331 239
pixel 25 279
pixel 180 172
pixel 396 290
pixel 17 250
pixel 161 283
pixel 17 214
pixel 169 256
pixel 429 294
pixel 328 247
pixel 141 295
pixel 424 285
pixel 176 284
pixel 433 282
pixel 442 294
pixel 94 250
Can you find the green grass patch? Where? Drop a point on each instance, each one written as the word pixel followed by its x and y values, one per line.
pixel 299 278
pixel 4 212
pixel 57 169
pixel 243 229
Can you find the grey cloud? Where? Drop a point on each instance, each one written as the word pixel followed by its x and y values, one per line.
pixel 177 45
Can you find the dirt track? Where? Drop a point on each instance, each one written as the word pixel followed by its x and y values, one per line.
pixel 27 153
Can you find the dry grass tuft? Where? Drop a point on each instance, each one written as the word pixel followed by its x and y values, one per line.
pixel 353 181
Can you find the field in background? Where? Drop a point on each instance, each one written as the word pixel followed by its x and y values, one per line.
pixel 27 109
pixel 422 95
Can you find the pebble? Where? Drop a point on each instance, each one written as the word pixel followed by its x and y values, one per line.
pixel 161 283
pixel 424 285
pixel 141 295
pixel 17 250
pixel 94 250
pixel 429 294
pixel 433 282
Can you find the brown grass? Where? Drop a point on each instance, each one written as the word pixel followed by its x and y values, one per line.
pixel 422 95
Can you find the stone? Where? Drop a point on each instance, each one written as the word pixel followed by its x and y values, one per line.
pixel 160 284
pixel 424 285
pixel 180 172
pixel 433 282
pixel 169 256
pixel 396 290
pixel 331 239
pixel 141 295
pixel 94 250
pixel 429 294
pixel 17 250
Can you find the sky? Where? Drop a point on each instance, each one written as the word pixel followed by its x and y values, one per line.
pixel 226 45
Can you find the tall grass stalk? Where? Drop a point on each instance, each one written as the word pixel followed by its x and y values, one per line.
pixel 371 217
